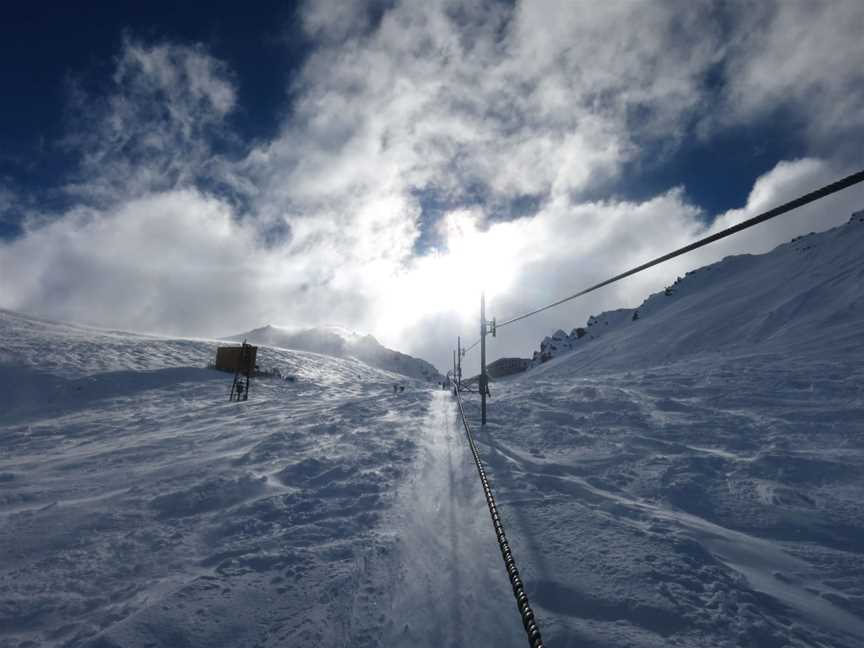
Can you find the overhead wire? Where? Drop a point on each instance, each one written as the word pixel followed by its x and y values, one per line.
pixel 827 190
pixel 468 348
pixel 528 619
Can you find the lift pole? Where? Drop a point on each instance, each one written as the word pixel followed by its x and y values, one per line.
pixel 454 371
pixel 459 362
pixel 483 377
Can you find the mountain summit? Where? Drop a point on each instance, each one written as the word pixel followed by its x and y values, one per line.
pixel 342 343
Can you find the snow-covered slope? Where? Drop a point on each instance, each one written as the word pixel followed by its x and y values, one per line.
pixel 695 477
pixel 341 343
pixel 691 478
pixel 805 294
pixel 138 507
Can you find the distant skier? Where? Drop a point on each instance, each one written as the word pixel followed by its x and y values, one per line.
pixel 395 388
pixel 401 388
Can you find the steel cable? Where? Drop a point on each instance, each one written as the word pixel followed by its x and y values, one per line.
pixel 525 611
pixel 468 348
pixel 827 190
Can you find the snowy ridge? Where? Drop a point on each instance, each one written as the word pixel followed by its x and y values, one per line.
pixel 341 343
pixel 771 301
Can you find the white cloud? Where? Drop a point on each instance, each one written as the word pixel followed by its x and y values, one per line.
pixel 155 127
pixel 534 261
pixel 459 100
pixel 173 262
pixel 787 181
pixel 803 55
pixel 151 264
pixel 453 96
pixel 336 20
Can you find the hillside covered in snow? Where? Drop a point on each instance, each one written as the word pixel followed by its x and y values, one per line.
pixel 692 477
pixel 341 343
pixel 138 507
pixel 806 293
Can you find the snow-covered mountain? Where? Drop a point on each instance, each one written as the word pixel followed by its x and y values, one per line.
pixel 806 293
pixel 693 477
pixel 341 343
pixel 138 507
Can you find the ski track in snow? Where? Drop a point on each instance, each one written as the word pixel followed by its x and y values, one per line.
pixel 139 508
pixel 450 587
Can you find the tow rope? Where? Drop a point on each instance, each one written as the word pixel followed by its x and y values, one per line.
pixel 525 611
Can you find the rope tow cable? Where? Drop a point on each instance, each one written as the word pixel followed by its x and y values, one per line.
pixel 525 611
pixel 476 342
pixel 827 190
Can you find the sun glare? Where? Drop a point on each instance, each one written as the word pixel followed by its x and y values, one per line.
pixel 450 280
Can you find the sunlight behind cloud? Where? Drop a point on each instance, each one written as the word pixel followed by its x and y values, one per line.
pixel 392 192
pixel 471 261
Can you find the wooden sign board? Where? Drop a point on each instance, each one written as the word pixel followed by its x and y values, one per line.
pixel 232 358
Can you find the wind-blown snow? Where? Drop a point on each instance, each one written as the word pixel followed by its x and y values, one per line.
pixel 139 507
pixel 342 343
pixel 694 477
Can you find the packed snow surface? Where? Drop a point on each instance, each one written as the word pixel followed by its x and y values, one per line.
pixel 691 478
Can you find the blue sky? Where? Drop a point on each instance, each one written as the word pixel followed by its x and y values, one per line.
pixel 46 47
pixel 375 164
